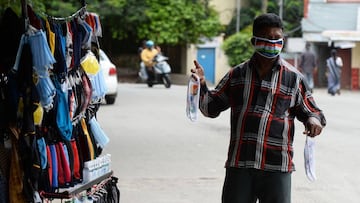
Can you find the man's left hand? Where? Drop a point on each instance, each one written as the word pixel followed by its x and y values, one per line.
pixel 313 127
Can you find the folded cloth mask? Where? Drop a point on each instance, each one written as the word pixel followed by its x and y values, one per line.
pixel 192 97
pixel 101 138
pixel 309 158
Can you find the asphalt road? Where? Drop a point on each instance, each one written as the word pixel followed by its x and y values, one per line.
pixel 160 156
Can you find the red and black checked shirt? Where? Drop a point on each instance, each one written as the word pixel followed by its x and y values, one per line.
pixel 262 114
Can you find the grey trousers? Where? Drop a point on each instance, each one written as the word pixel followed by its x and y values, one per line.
pixel 249 185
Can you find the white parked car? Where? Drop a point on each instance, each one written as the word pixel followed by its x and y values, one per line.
pixel 110 75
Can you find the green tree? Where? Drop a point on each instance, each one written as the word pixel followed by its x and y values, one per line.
pixel 237 47
pixel 292 15
pixel 247 15
pixel 171 22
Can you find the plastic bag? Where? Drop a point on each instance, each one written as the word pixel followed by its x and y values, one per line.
pixel 193 96
pixel 309 158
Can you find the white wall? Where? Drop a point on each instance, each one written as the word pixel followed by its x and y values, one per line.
pixel 221 61
pixel 226 9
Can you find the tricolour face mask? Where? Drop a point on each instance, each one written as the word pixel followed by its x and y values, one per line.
pixel 268 48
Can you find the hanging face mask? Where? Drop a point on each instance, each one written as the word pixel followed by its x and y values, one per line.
pixel 268 48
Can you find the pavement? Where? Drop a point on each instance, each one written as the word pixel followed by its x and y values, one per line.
pixel 130 75
pixel 162 157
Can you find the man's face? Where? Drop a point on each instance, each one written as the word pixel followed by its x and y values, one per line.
pixel 268 42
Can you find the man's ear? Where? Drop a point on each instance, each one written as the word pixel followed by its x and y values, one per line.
pixel 252 40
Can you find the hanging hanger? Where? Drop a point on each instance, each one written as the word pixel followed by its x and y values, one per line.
pixel 79 13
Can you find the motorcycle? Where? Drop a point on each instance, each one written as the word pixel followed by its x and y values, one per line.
pixel 161 70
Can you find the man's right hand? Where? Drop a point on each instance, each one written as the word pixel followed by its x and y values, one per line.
pixel 199 71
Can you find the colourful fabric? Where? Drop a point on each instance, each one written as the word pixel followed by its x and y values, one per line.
pixel 42 56
pixel 63 164
pixel 46 91
pixel 48 154
pixel 87 92
pixel 98 85
pixel 63 121
pixel 41 145
pixel 100 137
pixel 61 174
pixel 77 39
pixel 51 37
pixel 60 67
pixel 54 163
pixel 77 172
pixel 88 139
pixel 268 48
pixel 42 60
pixel 262 114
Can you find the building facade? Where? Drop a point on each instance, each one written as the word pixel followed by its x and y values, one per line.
pixel 331 24
pixel 210 54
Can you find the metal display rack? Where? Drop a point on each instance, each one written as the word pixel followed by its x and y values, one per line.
pixel 71 192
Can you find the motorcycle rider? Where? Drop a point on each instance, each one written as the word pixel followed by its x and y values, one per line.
pixel 147 55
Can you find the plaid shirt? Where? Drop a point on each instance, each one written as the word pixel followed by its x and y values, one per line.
pixel 262 114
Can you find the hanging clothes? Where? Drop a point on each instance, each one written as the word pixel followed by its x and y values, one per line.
pixel 50 99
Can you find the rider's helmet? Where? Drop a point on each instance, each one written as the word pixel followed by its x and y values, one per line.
pixel 149 44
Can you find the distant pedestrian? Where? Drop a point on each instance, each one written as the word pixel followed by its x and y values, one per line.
pixel 308 65
pixel 334 64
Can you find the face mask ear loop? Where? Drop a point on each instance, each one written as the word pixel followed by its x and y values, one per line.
pixel 255 40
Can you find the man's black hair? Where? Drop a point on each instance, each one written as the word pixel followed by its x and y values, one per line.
pixel 266 20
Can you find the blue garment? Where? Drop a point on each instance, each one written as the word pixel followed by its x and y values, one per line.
pixel 98 86
pixel 55 183
pixel 60 67
pixel 46 91
pixel 42 151
pixel 334 74
pixel 42 56
pixel 101 138
pixel 63 120
pixel 87 34
pixel 42 60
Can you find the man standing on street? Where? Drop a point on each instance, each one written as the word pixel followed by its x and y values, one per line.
pixel 265 95
pixel 308 65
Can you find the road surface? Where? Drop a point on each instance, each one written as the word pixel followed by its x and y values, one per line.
pixel 160 156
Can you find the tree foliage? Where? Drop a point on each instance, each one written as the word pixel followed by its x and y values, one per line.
pixel 292 15
pixel 237 47
pixel 174 21
pixel 171 22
